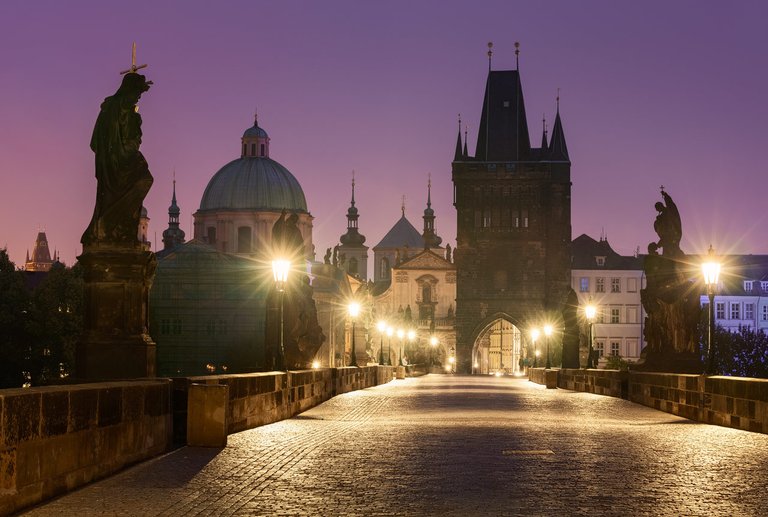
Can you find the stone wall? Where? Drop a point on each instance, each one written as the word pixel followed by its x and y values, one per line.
pixel 56 438
pixel 727 401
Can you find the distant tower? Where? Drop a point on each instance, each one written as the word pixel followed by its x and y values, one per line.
pixel 513 207
pixel 352 243
pixel 144 229
pixel 41 255
pixel 173 235
pixel 431 240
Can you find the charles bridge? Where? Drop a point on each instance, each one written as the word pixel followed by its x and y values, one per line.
pixel 355 441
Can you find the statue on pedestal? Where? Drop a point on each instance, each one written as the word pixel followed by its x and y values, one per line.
pixel 118 271
pixel 669 299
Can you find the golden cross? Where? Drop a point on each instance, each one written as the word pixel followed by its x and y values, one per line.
pixel 662 188
pixel 133 68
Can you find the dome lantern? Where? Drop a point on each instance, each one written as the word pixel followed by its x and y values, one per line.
pixel 255 141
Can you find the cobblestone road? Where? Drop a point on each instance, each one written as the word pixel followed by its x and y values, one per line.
pixel 451 445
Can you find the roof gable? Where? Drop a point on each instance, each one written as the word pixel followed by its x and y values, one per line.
pixel 426 260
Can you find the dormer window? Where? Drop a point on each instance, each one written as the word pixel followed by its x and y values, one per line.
pixel 747 285
pixel 600 261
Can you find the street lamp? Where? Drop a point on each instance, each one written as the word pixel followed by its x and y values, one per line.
pixel 390 331
pixel 452 359
pixel 411 335
pixel 280 269
pixel 711 270
pixel 548 333
pixel 401 336
pixel 534 336
pixel 590 311
pixel 354 311
pixel 432 343
pixel 381 326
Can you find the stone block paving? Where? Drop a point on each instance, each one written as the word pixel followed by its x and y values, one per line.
pixel 451 445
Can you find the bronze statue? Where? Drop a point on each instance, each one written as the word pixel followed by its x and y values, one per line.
pixel 122 172
pixel 669 299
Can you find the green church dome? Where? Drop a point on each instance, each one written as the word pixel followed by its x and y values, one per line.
pixel 253 183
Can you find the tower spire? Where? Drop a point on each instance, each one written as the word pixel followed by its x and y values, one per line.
pixel 544 133
pixel 429 190
pixel 353 187
pixel 255 117
pixel 517 55
pixel 402 206
pixel 465 141
pixel 457 155
pixel 558 150
pixel 490 54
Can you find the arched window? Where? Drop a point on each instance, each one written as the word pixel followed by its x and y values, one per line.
pixel 352 268
pixel 253 149
pixel 211 238
pixel 426 293
pixel 244 239
pixel 245 149
pixel 262 149
pixel 384 268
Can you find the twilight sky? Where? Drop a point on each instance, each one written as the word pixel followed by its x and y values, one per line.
pixel 652 92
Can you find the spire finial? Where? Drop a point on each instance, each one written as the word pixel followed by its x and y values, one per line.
pixel 465 140
pixel 402 206
pixel 490 54
pixel 558 100
pixel 459 122
pixel 353 187
pixel 517 54
pixel 429 190
pixel 255 117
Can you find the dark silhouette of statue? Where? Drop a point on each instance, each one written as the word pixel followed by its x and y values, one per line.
pixel 669 299
pixel 302 334
pixel 122 173
pixel 448 252
pixel 327 257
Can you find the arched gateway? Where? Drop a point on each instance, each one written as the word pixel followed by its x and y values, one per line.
pixel 498 349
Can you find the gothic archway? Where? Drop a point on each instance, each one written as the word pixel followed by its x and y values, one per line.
pixel 498 348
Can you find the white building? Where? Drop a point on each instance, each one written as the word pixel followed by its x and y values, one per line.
pixel 612 283
pixel 741 298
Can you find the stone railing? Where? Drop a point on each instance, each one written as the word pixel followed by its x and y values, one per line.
pixel 735 402
pixel 56 438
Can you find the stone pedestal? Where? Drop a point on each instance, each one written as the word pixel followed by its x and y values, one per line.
pixel 115 342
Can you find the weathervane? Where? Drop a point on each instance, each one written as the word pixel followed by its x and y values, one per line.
pixel 133 68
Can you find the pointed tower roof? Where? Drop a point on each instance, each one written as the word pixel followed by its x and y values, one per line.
pixel 430 238
pixel 458 155
pixel 544 145
pixel 558 150
pixel 465 142
pixel 352 238
pixel 173 236
pixel 41 255
pixel 402 234
pixel 503 134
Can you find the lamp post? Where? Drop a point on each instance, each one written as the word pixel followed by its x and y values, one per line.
pixel 452 359
pixel 280 269
pixel 411 335
pixel 711 270
pixel 354 311
pixel 400 336
pixel 381 326
pixel 534 336
pixel 390 331
pixel 590 311
pixel 548 333
pixel 433 344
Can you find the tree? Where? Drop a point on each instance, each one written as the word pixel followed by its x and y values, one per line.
pixel 741 354
pixel 14 310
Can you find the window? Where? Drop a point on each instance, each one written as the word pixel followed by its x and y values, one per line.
pixel 600 348
pixel 262 149
pixel 525 218
pixel 720 310
pixel 352 266
pixel 632 347
pixel 747 285
pixel 765 313
pixel 631 285
pixel 749 311
pixel 487 218
pixel 211 238
pixel 632 314
pixel 599 285
pixel 735 311
pixel 244 239
pixel 584 284
pixel 600 315
pixel 245 149
pixel 600 261
pixel 615 314
pixel 253 149
pixel 764 286
pixel 615 346
pixel 384 275
pixel 615 285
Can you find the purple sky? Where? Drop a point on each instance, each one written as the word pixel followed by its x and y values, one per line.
pixel 652 93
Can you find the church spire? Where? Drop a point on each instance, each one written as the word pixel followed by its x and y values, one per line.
pixel 458 155
pixel 431 240
pixel 353 237
pixel 173 236
pixel 558 150
pixel 544 133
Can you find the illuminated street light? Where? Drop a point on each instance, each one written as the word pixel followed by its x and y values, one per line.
pixel 381 326
pixel 590 311
pixel 433 344
pixel 390 331
pixel 548 333
pixel 534 336
pixel 354 311
pixel 711 271
pixel 401 337
pixel 280 269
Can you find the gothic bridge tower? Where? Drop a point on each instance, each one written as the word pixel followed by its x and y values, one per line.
pixel 513 207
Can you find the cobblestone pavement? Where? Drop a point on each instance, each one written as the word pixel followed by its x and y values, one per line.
pixel 451 445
